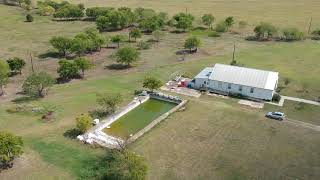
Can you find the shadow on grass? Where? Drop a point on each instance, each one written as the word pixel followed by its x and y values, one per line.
pixel 71 133
pixel 50 54
pixel 24 99
pixel 185 51
pixel 117 67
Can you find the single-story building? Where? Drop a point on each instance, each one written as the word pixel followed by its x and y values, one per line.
pixel 227 79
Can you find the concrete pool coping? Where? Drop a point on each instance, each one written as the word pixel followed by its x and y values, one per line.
pixel 96 135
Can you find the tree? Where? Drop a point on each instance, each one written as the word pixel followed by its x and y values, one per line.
pixel 109 101
pixel 62 44
pixel 69 11
pixel 183 21
pixel 135 33
pixel 221 27
pixel 38 84
pixel 229 21
pixel 83 64
pixel 152 23
pixel 83 123
pixel 125 165
pixel 81 44
pixel 16 64
pixel 127 55
pixel 46 10
pixel 95 12
pixel 208 19
pixel 152 83
pixel 4 71
pixel 117 39
pixel 158 35
pixel 192 43
pixel 68 70
pixel 265 31
pixel 10 147
pixel 97 40
pixel 29 18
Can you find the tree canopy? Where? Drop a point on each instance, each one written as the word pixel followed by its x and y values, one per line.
pixel 152 83
pixel 4 75
pixel 16 64
pixel 125 165
pixel 10 147
pixel 183 21
pixel 135 33
pixel 208 19
pixel 192 43
pixel 292 34
pixel 62 44
pixel 68 70
pixel 83 64
pixel 109 101
pixel 83 122
pixel 127 55
pixel 69 11
pixel 38 84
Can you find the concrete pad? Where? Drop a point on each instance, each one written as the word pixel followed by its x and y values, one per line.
pixel 253 104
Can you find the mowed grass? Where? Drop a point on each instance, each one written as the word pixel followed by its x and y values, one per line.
pixel 298 111
pixel 220 139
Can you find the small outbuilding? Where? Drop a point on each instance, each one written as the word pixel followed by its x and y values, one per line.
pixel 227 79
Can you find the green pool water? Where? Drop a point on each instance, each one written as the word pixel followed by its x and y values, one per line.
pixel 138 118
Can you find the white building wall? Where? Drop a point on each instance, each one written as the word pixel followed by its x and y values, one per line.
pixel 201 82
pixel 246 91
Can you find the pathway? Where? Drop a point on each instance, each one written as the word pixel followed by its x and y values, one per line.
pixel 283 98
pixel 303 124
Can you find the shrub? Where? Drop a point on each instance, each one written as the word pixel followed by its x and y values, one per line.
pixel 286 81
pixel 292 34
pixel 192 43
pixel 46 10
pixel 83 122
pixel 69 11
pixel 127 55
pixel 276 97
pixel 214 34
pixel 16 64
pixel 109 102
pixel 152 83
pixel 37 84
pixel 10 147
pixel 142 45
pixel 68 70
pixel 221 27
pixel 29 18
pixel 265 31
pixel 316 34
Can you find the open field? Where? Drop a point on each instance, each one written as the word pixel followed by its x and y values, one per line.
pixel 213 138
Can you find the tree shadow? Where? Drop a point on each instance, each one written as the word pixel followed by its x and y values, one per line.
pixel 201 28
pixel 117 67
pixel 178 31
pixel 185 52
pixel 72 133
pixel 24 99
pixel 50 54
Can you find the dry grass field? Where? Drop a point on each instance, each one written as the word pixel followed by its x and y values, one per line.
pixel 213 138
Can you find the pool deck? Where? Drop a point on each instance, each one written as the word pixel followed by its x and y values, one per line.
pixel 96 135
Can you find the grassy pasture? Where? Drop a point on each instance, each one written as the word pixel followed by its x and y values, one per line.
pixel 213 138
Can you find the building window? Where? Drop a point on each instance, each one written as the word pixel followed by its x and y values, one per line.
pixel 251 90
pixel 204 82
pixel 229 86
pixel 240 88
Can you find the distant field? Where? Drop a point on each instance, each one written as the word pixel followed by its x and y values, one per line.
pixel 281 12
pixel 213 137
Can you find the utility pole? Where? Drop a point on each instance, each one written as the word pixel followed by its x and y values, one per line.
pixel 31 61
pixel 234 50
pixel 310 24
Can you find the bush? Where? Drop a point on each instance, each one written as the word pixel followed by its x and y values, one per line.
pixel 316 34
pixel 214 34
pixel 265 31
pixel 276 97
pixel 69 11
pixel 292 34
pixel 84 122
pixel 221 27
pixel 68 70
pixel 10 147
pixel 46 10
pixel 29 18
pixel 142 45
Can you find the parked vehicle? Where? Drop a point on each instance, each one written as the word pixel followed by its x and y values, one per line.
pixel 276 115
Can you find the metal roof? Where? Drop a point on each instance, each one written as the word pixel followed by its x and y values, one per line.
pixel 205 73
pixel 244 76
